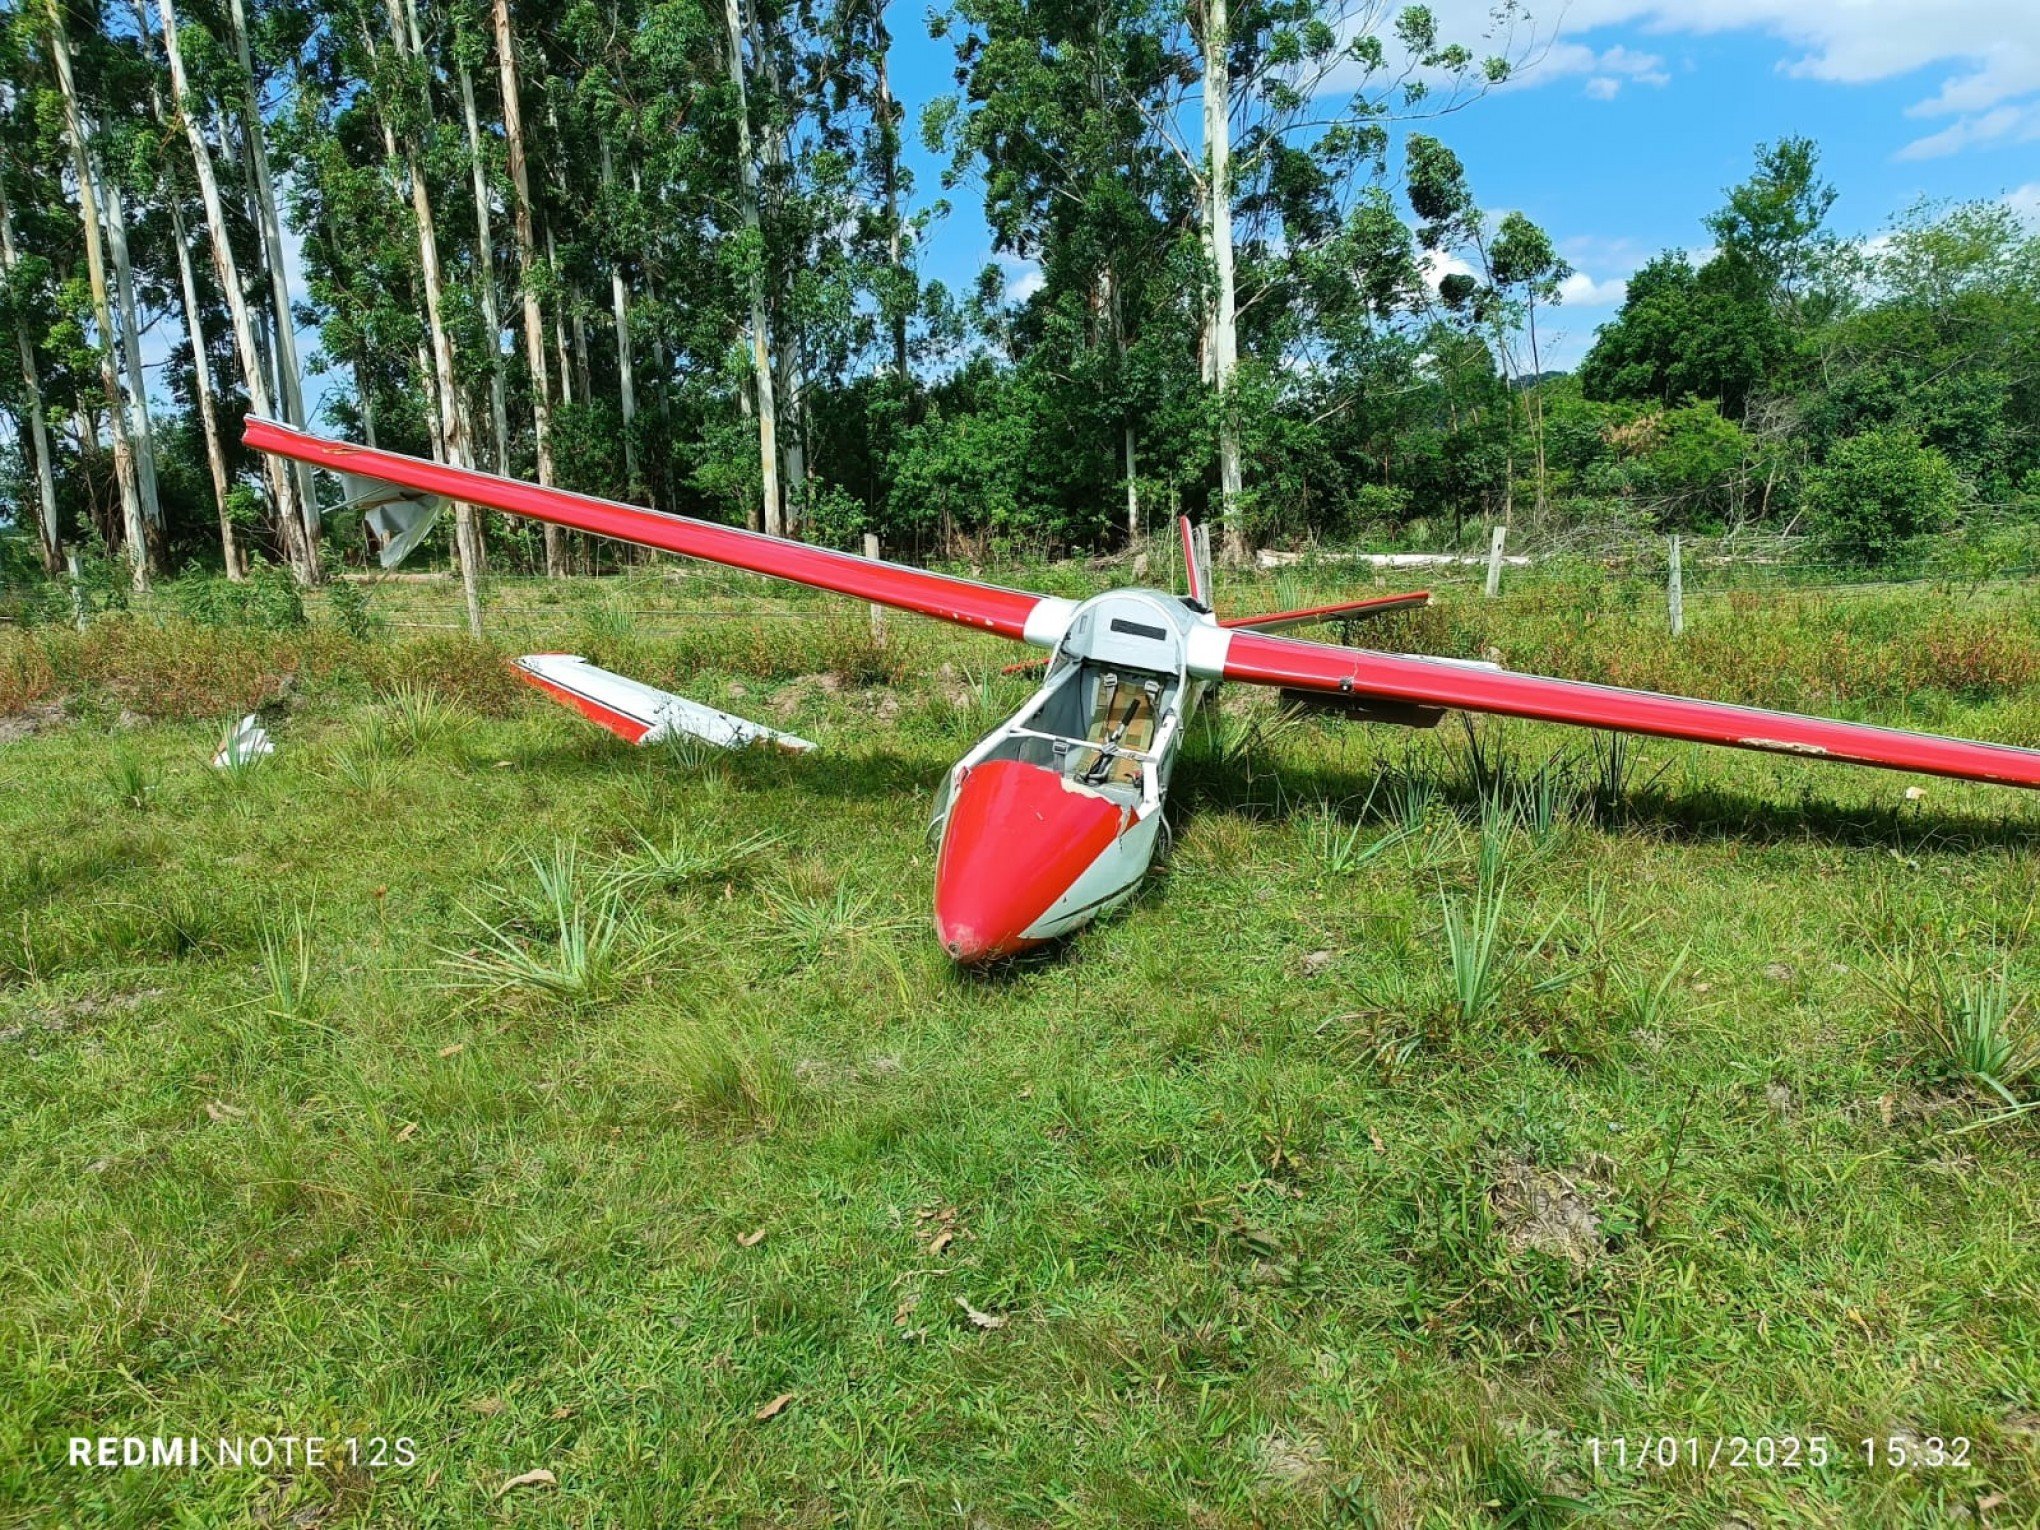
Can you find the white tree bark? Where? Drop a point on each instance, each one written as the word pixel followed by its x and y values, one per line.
pixel 452 426
pixel 290 385
pixel 133 529
pixel 761 360
pixel 527 274
pixel 49 528
pixel 201 363
pixel 552 261
pixel 141 426
pixel 890 147
pixel 626 374
pixel 485 259
pixel 282 484
pixel 1218 223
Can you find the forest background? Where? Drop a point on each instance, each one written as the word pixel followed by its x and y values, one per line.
pixel 674 253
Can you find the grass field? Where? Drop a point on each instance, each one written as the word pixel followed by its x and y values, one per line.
pixel 1448 1103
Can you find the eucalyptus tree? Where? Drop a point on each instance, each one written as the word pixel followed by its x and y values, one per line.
pixel 21 297
pixel 1054 120
pixel 203 397
pixel 529 277
pixel 190 112
pixel 84 167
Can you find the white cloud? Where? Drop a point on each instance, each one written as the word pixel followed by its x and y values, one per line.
pixel 1984 55
pixel 1024 278
pixel 2016 124
pixel 1608 69
pixel 1437 265
pixel 2025 201
pixel 1581 291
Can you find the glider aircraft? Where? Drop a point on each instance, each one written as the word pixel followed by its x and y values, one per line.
pixel 1054 816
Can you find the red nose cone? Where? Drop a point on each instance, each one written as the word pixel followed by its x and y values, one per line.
pixel 1017 838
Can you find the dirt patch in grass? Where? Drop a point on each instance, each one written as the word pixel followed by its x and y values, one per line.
pixel 30 720
pixel 1548 1211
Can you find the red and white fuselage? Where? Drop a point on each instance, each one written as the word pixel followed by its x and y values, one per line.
pixel 1056 815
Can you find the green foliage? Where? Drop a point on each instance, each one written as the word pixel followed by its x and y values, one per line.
pixel 268 600
pixel 1879 491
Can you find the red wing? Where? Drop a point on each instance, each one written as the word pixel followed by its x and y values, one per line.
pixel 1298 665
pixel 963 601
pixel 1343 611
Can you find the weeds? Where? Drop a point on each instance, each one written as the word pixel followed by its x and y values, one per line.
pixel 812 926
pixel 1472 937
pixel 1643 1002
pixel 130 780
pixel 1547 798
pixel 419 721
pixel 1978 1035
pixel 584 945
pixel 1497 829
pixel 685 858
pixel 1336 845
pixel 287 963
pixel 1612 761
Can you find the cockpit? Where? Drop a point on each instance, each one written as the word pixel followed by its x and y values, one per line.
pixel 1105 717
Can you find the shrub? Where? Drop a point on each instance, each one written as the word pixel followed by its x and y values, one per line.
pixel 267 600
pixel 1880 490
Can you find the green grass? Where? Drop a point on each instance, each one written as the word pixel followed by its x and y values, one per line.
pixel 433 1076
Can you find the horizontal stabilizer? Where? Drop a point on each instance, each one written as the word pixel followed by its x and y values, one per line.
pixel 639 713
pixel 1342 611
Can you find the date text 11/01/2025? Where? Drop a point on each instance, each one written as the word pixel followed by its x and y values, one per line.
pixel 1774 1452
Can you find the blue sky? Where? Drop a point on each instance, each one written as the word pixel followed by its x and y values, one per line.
pixel 1635 116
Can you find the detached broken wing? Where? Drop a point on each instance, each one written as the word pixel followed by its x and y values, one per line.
pixel 640 713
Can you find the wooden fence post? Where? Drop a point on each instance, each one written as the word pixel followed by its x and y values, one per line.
pixel 77 568
pixel 1675 593
pixel 877 610
pixel 1494 562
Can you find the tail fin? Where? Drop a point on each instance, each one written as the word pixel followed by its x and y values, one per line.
pixel 1196 561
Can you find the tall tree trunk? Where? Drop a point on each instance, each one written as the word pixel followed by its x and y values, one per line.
pixel 1224 331
pixel 282 484
pixel 527 274
pixel 626 376
pixel 201 363
pixel 132 527
pixel 201 366
pixel 552 261
pixel 452 426
pixel 889 154
pixel 48 528
pixel 290 384
pixel 142 426
pixel 761 360
pixel 1115 314
pixel 485 257
pixel 1536 406
pixel 790 389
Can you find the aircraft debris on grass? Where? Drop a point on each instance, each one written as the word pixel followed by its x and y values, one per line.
pixel 1053 818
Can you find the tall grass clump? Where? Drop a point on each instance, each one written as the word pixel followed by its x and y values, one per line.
pixel 1473 948
pixel 286 946
pixel 566 935
pixel 1977 1033
pixel 1338 846
pixel 1971 1031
